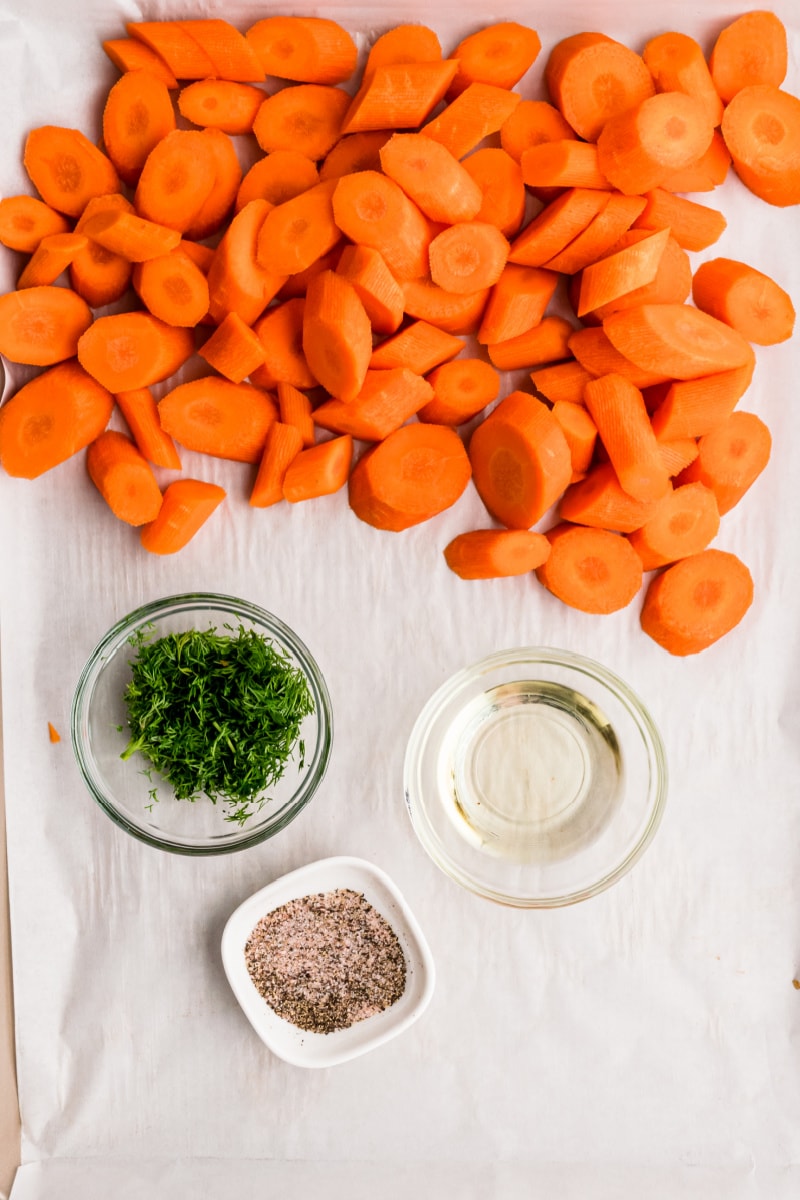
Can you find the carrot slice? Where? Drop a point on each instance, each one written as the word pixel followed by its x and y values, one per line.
pixel 376 287
pixel 461 390
pixel 746 299
pixel 337 335
pixel 545 343
pixel 96 274
pixel 598 500
pixel 66 169
pixel 42 325
pixel 477 112
pixel 496 553
pixel 403 44
pixel 564 163
pixel 761 127
pixel 50 418
pixel 751 50
pixel 186 506
pixel 502 188
pixel 132 350
pixel 299 231
pixel 172 288
pixel 233 349
pixel 672 283
pixel 296 409
pixel 318 471
pixel 596 354
pixel 184 56
pixel 232 55
pixel 520 461
pixel 561 381
pixel 280 331
pixel 140 411
pixel 642 146
pixel 557 225
pixel 355 152
pixel 227 178
pixel 498 54
pixel 686 520
pixel 468 256
pixel 304 49
pixel 730 458
pixel 606 279
pixel 692 407
pixel 282 444
pixel 308 118
pixel 413 475
pixel 453 312
pixel 50 258
pixel 695 602
pixel 374 211
pixel 618 411
pixel 710 170
pixel 236 281
pixel 592 78
pixel 214 416
pixel 517 302
pixel 677 340
pixel 593 570
pixel 279 176
pixel 130 236
pixel 176 179
pixel 25 220
pixel 221 104
pixel 694 226
pixel 530 124
pixel 581 433
pixel 600 235
pixel 124 478
pixel 677 64
pixel 138 113
pixel 419 346
pixel 432 177
pixel 386 401
pixel 399 96
pixel 128 54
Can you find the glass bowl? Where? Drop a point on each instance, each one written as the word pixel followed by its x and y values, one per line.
pixel 535 778
pixel 124 787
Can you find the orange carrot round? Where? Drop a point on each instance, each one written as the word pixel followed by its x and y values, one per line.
pixel 337 335
pixel 355 152
pixel 307 118
pixel 130 350
pixel 730 458
pixel 677 64
pixel 761 128
pixel 592 570
pixel 177 177
pixel 404 44
pixel 676 340
pixel 124 478
pixel 66 169
pixel 496 553
pixel 214 416
pixel 695 602
pixel 744 298
pixel 128 54
pixel 502 187
pixel 686 520
pixel 432 177
pixel 499 54
pixel 25 220
pixel 592 78
pixel 173 289
pixel 751 50
pixel 451 311
pixel 642 146
pixel 304 49
pixel 221 104
pixel 461 390
pixel 372 210
pixel 468 256
pixel 138 113
pixel 42 325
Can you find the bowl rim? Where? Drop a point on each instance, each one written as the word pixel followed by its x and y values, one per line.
pixel 646 727
pixel 114 639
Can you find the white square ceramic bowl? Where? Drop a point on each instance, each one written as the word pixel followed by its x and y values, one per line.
pixel 299 1046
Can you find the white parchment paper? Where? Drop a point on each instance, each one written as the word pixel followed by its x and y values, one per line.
pixel 642 1043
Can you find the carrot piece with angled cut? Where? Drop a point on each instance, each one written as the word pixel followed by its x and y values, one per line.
pixel 337 335
pixel 618 410
pixel 227 178
pixel 277 177
pixel 500 181
pixel 282 444
pixel 376 287
pixel 355 152
pixel 596 354
pixel 419 346
pixel 66 169
pixel 413 475
pixel 296 284
pixel 686 520
pixel 744 298
pixel 50 258
pixel 185 507
pixel 435 180
pixel 320 470
pixel 50 418
pixel 124 478
pixel 280 331
pixel 468 256
pixel 214 416
pixel 708 172
pixel 694 226
pixel 696 601
pixel 177 177
pixel 517 302
pixel 546 342
pixel 303 49
pixel 307 118
pixel 299 231
pixel 598 500
pixel 593 570
pixel 295 409
pixel 172 288
pixel 676 340
pixel 496 553
pixel 96 274
pixel 53 733
pixel 621 272
pixel 233 349
pixel 644 145
pixel 592 78
pixel 677 64
pixel 751 50
pixel 453 312
pixel 677 454
pixel 185 57
pixel 130 236
pixel 138 113
pixel 561 164
pixel 600 235
pixel 232 55
pixel 561 381
pixel 25 220
pixel 140 411
pixel 386 401
pixel 530 124
pixel 404 44
pixel 374 211
pixel 130 350
pixel 558 224
pixel 128 54
pixel 477 112
pixel 693 407
pixel 221 104
pixel 42 325
pixel 730 458
pixel 236 280
pixel 498 54
pixel 461 390
pixel 580 432
pixel 672 283
pixel 520 461
pixel 399 96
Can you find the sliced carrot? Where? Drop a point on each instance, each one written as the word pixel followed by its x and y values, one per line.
pixel 581 433
pixel 598 500
pixel 751 50
pixel 96 274
pixel 502 188
pixel 51 258
pixel 299 231
pixel 177 177
pixel 744 298
pixel 140 411
pixel 616 275
pixel 710 170
pixel 172 288
pixel 386 401
pixel 221 104
pixel 686 520
pixel 337 335
pixel 593 570
pixel 307 118
pixel 25 220
pixel 403 44
pixel 53 733
pixel 517 302
pixel 638 149
pixel 280 331
pixel 219 202
pixel 546 342
pixel 124 478
pixel 761 127
pixel 214 416
pixel 131 350
pixel 376 287
pixel 694 226
pixel 320 470
pixel 231 54
pixel 558 224
pixel 617 409
pixel 730 458
pixel 413 475
pixel 304 49
pixel 129 235
pixel 496 553
pixel 435 180
pixel 184 56
pixel 355 152
pixel 186 506
pixel 695 602
pixel 419 346
pixel 138 113
pixel 592 78
pixel 677 340
pixel 468 256
pixel 520 461
pixel 42 325
pixel 282 444
pixel 279 176
pixel 461 390
pixel 453 312
pixel 600 235
pixel 562 164
pixel 596 354
pixel 561 381
pixel 530 124
pixel 672 283
pixel 50 418
pixel 498 54
pixel 236 280
pixel 477 112
pixel 295 409
pixel 233 349
pixel 66 169
pixel 399 96
pixel 677 64
pixel 692 407
pixel 374 211
pixel 128 54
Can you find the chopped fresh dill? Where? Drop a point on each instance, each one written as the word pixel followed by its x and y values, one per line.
pixel 216 715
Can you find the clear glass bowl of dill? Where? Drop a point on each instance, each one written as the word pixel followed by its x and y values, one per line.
pixel 201 724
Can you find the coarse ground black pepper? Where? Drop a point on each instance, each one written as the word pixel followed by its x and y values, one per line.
pixel 326 961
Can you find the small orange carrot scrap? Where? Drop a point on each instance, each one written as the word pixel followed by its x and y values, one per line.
pixel 140 411
pixel 461 390
pixel 124 478
pixel 386 401
pixel 419 346
pixel 138 113
pixel 186 506
pixel 42 325
pixel 214 416
pixel 303 49
pixel 233 349
pixel 66 169
pixel 281 445
pixel 337 335
pixel 53 733
pixel 744 298
pixel 496 553
pixel 695 602
pixel 411 476
pixel 593 570
pixel 320 470
pixel 50 258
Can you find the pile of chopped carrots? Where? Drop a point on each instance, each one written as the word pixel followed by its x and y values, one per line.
pixel 355 294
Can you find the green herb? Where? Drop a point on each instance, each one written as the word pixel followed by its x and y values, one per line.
pixel 216 714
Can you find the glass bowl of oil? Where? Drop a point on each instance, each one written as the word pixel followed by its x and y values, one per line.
pixel 535 778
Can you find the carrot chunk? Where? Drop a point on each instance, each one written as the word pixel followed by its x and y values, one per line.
pixel 477 112
pixel 138 113
pixel 744 298
pixel 232 56
pixel 399 96
pixel 695 602
pixel 761 127
pixel 236 280
pixel 677 340
pixel 184 56
pixel 598 500
pixel 124 478
pixel 308 118
pixel 432 177
pixel 282 444
pixel 355 152
pixel 177 177
pixel 686 520
pixel 25 220
pixel 130 350
pixel 622 272
pixel 320 470
pixel 694 226
pixel 581 433
pixel 299 231
pixel 592 78
pixel 128 54
pixel 530 124
pixel 376 287
pixel 385 402
pixel 186 506
pixel 638 149
pixel 233 349
pixel 517 303
pixel 496 553
pixel 140 411
pixel 419 346
pixel 693 407
pixel 593 570
pixel 42 325
pixel 561 381
pixel 372 210
pixel 468 256
pixel 221 104
pixel 304 49
pixel 296 409
pixel 451 311
pixel 617 409
pixel 461 390
pixel 502 188
pixel 751 50
pixel 130 236
pixel 564 163
pixel 172 288
pixel 337 335
pixel 51 258
pixel 280 332
pixel 730 458
pixel 66 169
pixel 278 176
pixel 403 44
pixel 215 416
pixel 544 343
pixel 677 64
pixel 499 54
